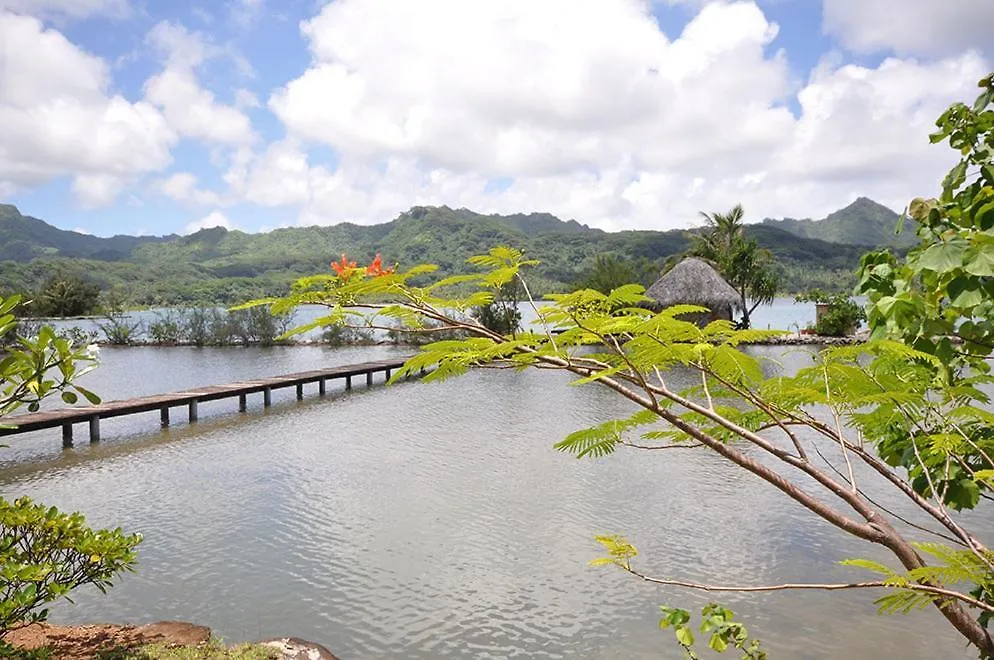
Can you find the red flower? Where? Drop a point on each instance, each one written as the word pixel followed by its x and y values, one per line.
pixel 375 268
pixel 343 269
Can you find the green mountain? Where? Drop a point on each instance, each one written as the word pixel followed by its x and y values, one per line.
pixel 23 238
pixel 864 222
pixel 217 265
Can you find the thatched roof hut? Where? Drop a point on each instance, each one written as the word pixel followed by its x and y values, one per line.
pixel 694 282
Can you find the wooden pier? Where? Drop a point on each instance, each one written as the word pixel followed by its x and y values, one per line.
pixel 189 399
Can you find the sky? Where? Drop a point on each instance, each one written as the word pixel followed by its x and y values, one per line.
pixel 166 116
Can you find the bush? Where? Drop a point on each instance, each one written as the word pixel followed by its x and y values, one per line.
pixel 119 330
pixel 45 554
pixel 842 316
pixel 337 335
pixel 168 328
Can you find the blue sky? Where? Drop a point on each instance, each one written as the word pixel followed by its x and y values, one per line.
pixel 156 116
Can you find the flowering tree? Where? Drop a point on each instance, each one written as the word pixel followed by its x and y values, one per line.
pixel 907 407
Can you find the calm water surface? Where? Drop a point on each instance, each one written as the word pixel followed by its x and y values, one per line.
pixel 435 520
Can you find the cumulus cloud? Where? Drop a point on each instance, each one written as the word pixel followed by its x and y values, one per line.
pixel 96 190
pixel 587 109
pixel 925 27
pixel 58 118
pixel 70 8
pixel 190 109
pixel 215 219
pixel 183 187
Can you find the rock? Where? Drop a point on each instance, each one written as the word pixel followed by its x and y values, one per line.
pixel 298 649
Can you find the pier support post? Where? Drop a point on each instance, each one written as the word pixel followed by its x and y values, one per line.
pixel 369 379
pixel 242 403
pixel 67 436
pixel 193 411
pixel 164 416
pixel 322 389
pixel 348 382
pixel 95 429
pixel 267 397
pixel 300 391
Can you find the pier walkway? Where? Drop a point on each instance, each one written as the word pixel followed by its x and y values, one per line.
pixel 189 399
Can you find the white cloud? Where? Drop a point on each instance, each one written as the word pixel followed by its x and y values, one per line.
pixel 57 117
pixel 96 190
pixel 70 8
pixel 245 13
pixel 926 27
pixel 246 99
pixel 215 219
pixel 189 108
pixel 591 112
pixel 182 187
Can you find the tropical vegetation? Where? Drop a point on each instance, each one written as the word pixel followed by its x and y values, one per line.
pixel 216 266
pixel 750 269
pixel 46 554
pixel 906 412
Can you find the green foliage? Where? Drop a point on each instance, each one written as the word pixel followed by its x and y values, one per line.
pixel 750 269
pixel 611 272
pixel 45 554
pixel 32 368
pixel 212 650
pixel 909 407
pixel 120 330
pixel 64 296
pixel 716 621
pixel 220 267
pixel 501 315
pixel 619 552
pixel 841 318
pixel 940 300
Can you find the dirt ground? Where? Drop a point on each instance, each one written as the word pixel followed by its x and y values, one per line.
pixel 105 640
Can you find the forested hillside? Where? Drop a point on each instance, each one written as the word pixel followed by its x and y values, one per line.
pixel 864 222
pixel 217 265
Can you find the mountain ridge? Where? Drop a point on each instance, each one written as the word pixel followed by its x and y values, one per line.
pixel 864 222
pixel 229 266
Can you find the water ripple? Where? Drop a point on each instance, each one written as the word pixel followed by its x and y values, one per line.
pixel 436 521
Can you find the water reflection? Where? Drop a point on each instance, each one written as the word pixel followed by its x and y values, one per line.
pixel 426 521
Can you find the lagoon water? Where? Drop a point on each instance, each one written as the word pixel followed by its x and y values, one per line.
pixel 436 520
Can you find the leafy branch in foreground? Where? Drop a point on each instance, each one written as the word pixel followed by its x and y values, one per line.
pixel 906 412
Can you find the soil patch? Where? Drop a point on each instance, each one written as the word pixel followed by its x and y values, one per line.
pixel 98 642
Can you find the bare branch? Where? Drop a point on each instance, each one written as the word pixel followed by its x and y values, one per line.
pixel 877 584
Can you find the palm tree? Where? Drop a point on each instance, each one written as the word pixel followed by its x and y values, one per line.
pixel 721 232
pixel 743 264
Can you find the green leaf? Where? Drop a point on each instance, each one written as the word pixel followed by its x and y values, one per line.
pixel 90 396
pixel 943 257
pixel 869 565
pixel 718 643
pixel 980 261
pixel 685 636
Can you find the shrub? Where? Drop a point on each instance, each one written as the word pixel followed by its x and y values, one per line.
pixel 45 554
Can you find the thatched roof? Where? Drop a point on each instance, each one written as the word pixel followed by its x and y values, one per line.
pixel 694 282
